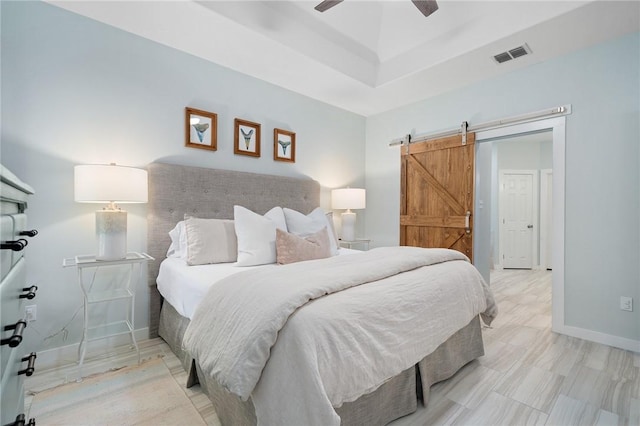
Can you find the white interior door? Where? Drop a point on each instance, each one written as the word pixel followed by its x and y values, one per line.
pixel 518 238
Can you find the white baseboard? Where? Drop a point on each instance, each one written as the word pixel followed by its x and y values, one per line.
pixel 65 355
pixel 598 337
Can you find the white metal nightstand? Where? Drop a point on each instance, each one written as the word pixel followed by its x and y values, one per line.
pixel 125 291
pixel 358 242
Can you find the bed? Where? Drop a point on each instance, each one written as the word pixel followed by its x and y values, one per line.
pixel 176 190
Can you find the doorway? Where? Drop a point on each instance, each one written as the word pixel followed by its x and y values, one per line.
pixel 519 161
pixel 486 232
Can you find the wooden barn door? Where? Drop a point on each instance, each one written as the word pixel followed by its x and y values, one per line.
pixel 436 206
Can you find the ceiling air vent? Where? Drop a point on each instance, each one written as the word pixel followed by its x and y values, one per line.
pixel 514 53
pixel 502 57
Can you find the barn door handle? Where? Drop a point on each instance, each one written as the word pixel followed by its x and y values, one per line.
pixel 31 366
pixel 18 245
pixel 466 222
pixel 530 226
pixel 31 292
pixel 16 337
pixel 21 420
pixel 31 233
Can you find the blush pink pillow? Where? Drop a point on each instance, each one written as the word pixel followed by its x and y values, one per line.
pixel 291 248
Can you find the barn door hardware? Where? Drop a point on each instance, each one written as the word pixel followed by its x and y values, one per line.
pixel 406 141
pixel 463 129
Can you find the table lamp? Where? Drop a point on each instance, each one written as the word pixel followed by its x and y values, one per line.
pixel 348 198
pixel 101 183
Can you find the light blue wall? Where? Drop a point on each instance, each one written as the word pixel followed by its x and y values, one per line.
pixel 516 155
pixel 75 91
pixel 602 234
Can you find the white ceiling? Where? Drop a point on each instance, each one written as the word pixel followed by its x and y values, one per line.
pixel 368 56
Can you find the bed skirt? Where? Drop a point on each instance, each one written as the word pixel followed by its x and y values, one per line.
pixel 396 398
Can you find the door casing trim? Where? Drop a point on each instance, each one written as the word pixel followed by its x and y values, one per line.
pixel 558 127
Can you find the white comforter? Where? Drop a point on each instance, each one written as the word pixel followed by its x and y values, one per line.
pixel 336 348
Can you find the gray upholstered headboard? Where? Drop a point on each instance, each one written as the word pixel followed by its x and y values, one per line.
pixel 176 190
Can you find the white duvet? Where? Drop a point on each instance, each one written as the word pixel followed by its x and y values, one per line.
pixel 184 286
pixel 331 349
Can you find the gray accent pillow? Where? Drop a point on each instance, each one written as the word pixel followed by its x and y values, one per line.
pixel 210 241
pixel 291 248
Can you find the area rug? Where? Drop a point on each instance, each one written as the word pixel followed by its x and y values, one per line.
pixel 141 395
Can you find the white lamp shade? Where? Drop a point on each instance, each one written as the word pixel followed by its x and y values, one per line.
pixel 99 183
pixel 348 198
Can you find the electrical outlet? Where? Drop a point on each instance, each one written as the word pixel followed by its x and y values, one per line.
pixel 30 312
pixel 626 303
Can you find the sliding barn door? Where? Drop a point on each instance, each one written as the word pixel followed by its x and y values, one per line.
pixel 436 206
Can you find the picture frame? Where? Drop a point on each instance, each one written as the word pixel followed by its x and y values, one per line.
pixel 201 129
pixel 246 138
pixel 284 145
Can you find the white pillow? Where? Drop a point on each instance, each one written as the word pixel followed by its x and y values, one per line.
pixel 332 230
pixel 178 247
pixel 257 235
pixel 303 226
pixel 210 241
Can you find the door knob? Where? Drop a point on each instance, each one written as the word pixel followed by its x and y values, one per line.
pixel 530 226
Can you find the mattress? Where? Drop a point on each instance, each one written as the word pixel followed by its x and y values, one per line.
pixel 184 286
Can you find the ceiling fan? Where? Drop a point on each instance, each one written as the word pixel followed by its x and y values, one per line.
pixel 427 7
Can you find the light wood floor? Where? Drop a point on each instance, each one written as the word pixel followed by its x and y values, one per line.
pixel 528 375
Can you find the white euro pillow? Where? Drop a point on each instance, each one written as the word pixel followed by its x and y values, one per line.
pixel 305 225
pixel 178 247
pixel 257 235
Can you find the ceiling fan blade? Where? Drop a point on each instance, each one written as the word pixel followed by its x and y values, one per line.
pixel 327 4
pixel 427 7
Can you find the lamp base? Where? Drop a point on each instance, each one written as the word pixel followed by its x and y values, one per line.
pixel 111 233
pixel 348 226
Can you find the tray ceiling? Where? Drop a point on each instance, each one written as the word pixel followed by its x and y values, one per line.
pixel 368 56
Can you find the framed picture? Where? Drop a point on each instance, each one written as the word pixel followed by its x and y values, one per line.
pixel 246 138
pixel 201 129
pixel 284 145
